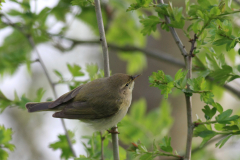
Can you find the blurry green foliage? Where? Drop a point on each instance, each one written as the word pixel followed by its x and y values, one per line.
pixel 19 102
pixel 5 138
pixel 62 144
pixel 139 125
pixel 211 21
pixel 93 148
pixel 142 153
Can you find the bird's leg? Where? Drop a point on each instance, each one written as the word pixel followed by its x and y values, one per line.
pixel 113 130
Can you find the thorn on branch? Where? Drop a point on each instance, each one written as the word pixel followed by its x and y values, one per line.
pixel 135 145
pixel 193 41
pixel 195 124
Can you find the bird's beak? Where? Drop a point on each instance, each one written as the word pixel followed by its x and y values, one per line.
pixel 135 77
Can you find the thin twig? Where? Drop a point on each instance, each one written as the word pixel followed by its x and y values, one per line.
pixel 188 62
pixel 189 102
pixel 102 139
pixel 236 1
pixel 195 150
pixel 151 53
pixel 176 37
pixel 54 91
pixel 106 70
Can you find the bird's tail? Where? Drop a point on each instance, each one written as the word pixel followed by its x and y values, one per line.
pixel 36 106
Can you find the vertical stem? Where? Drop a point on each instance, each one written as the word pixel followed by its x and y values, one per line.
pixel 188 63
pixel 176 37
pixel 189 113
pixel 102 38
pixel 102 139
pixel 106 70
pixel 54 91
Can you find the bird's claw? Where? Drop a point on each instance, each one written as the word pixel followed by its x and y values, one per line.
pixel 113 131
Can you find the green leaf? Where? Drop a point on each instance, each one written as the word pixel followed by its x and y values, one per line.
pixel 225 118
pixel 197 84
pixel 4 102
pixel 180 79
pixel 62 144
pixel 206 135
pixel 163 82
pixel 209 113
pixel 222 75
pixel 5 137
pixel 92 70
pixel 15 51
pixel 147 156
pixel 150 24
pixel 142 148
pixel 218 107
pixel 202 131
pixel 138 109
pixel 207 97
pixel 219 127
pixel 166 144
pixel 204 3
pixel 122 153
pixel 215 11
pixel 230 128
pixel 75 70
pixel 3 154
pixel 166 89
pixel 40 93
pixel 223 141
pixel 134 6
pixel 58 74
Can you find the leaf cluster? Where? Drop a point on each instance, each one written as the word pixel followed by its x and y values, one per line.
pixel 138 125
pixel 19 102
pixel 224 125
pixel 5 138
pixel 142 153
pixel 63 145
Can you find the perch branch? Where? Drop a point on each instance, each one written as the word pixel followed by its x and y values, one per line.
pixel 106 69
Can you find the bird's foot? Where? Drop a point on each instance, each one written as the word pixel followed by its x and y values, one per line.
pixel 113 130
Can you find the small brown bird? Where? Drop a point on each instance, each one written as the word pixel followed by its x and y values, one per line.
pixel 102 103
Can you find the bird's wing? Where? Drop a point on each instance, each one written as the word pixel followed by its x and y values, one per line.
pixel 82 110
pixel 66 97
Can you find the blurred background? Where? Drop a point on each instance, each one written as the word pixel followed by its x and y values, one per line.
pixel 64 22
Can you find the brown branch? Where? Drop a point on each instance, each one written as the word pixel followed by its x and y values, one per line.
pixel 106 70
pixel 176 37
pixel 236 1
pixel 189 103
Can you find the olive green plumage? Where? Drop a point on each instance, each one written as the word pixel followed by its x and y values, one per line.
pixel 100 99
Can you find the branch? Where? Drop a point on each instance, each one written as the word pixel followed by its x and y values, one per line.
pixel 106 70
pixel 236 1
pixel 188 62
pixel 176 37
pixel 29 38
pixel 153 54
pixel 54 91
pixel 189 102
pixel 206 144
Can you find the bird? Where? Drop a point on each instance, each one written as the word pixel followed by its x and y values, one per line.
pixel 101 103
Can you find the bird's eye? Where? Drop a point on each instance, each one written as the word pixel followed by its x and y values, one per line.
pixel 127 84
